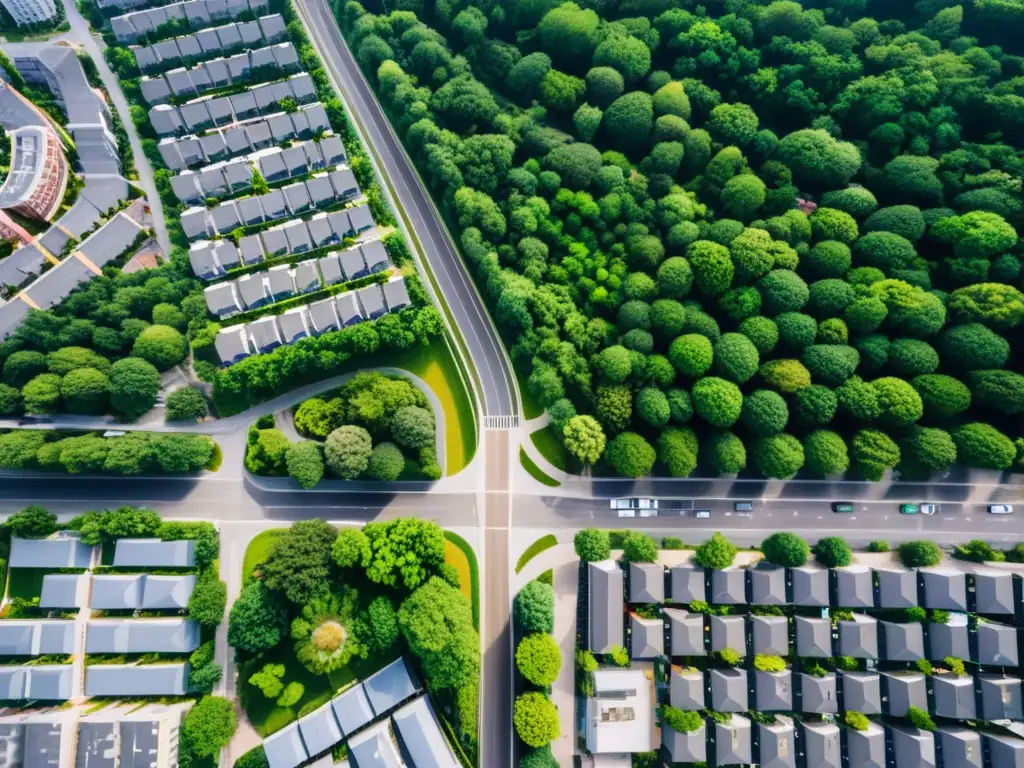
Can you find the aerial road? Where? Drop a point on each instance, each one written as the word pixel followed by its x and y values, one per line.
pixel 486 353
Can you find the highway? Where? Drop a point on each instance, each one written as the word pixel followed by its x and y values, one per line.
pixel 423 223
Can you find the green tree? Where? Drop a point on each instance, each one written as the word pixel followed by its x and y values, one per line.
pixel 347 451
pixel 638 547
pixel 536 719
pixel 380 625
pixel 628 120
pixel 833 552
pixel 134 384
pixel 592 545
pixel 23 366
pixel 920 554
pixel 268 680
pixel 351 548
pixel 386 463
pixel 208 600
pixel 305 463
pixel 160 345
pixel 873 452
pixel 717 401
pixel 716 552
pixel 299 565
pixel 942 396
pixel 534 607
pixel 437 624
pixel 972 347
pixel 209 725
pixel 604 85
pixel 764 412
pixel 569 33
pixel 983 446
pixel 735 358
pixel 32 522
pixel 779 456
pixel 682 721
pixel 825 453
pixel 995 305
pixel 630 455
pixel 42 394
pixel 405 551
pixel 783 548
pixel 978 551
pixel 584 438
pixel 538 758
pixel 186 404
pixel 625 54
pixel 817 159
pixel 539 659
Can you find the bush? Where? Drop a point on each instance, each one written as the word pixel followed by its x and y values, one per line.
pixel 712 266
pixel 912 357
pixel 973 347
pixel 782 290
pixel 930 449
pixel 630 455
pixel 878 546
pixel 1000 390
pixel 186 404
pixel 899 402
pixel 865 315
pixel 160 345
pixel 817 159
pixel 413 427
pixel 825 453
pixel 347 451
pixel 42 394
pixel 764 412
pixel 534 607
pixel 386 463
pixel 209 725
pixel 815 405
pixel 134 384
pixel 538 758
pixel 23 366
pixel 830 224
pixel 919 554
pixel 768 663
pixel 717 401
pixel 942 396
pixel 920 718
pixel 682 721
pixel 32 522
pixel 538 659
pixel 536 719
pixel 827 259
pixel 675 277
pixel 638 547
pixel 717 552
pixel 856 201
pixel 652 406
pixel 833 552
pixel 691 354
pixel 977 551
pixel 873 452
pixel 305 463
pixel 735 358
pixel 830 364
pixel 903 220
pixel 208 600
pixel 983 446
pixel 786 549
pixel 856 721
pixel 787 376
pixel 726 453
pixel 762 332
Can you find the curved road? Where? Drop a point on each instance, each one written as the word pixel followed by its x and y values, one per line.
pixel 485 351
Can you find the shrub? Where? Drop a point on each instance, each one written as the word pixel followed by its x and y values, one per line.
pixel 884 250
pixel 903 220
pixel 652 406
pixel 538 659
pixel 717 552
pixel 735 357
pixel 630 455
pixel 347 451
pixel 682 721
pixel 675 277
pixel 692 354
pixel 787 376
pixel 134 384
pixel 833 552
pixel 919 554
pixel 764 412
pixel 865 315
pixel 899 402
pixel 983 446
pixel 873 452
pixel 386 463
pixel 920 718
pixel 160 345
pixel 23 366
pixel 538 758
pixel 208 601
pixel 536 719
pixel 830 224
pixel 762 332
pixel 412 427
pixel 85 391
pixel 878 546
pixel 592 545
pixel 827 259
pixel 856 721
pixel 814 406
pixel 912 357
pixel 32 522
pixel 677 451
pixel 768 663
pixel 209 725
pixel 931 449
pixel 42 394
pixel 856 201
pixel 186 404
pixel 712 266
pixel 786 549
pixel 942 396
pixel 825 453
pixel 830 364
pixel 638 547
pixel 977 551
pixel 1000 390
pixel 305 463
pixel 534 607
pixel 829 297
pixel 796 330
pixel 717 401
pixel 782 290
pixel 726 453
pixel 973 347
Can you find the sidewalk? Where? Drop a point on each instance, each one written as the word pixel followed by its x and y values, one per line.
pixel 562 559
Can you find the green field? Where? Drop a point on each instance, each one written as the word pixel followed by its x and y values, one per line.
pixel 536 472
pixel 544 542
pixel 551 448
pixel 259 550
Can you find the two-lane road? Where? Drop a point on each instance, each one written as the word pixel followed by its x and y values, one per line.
pixel 485 351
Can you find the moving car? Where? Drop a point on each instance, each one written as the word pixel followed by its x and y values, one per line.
pixel 647 507
pixel 703 514
pixel 929 509
pixel 909 509
pixel 743 506
pixel 842 506
pixel 1000 509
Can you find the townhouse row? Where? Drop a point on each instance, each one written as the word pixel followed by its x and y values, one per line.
pixel 195 13
pixel 209 43
pixel 266 334
pixel 258 289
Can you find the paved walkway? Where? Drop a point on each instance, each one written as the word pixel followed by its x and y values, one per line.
pixel 562 559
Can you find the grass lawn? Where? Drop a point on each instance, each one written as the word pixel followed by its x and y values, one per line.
pixel 531 408
pixel 27 582
pixel 259 550
pixel 544 542
pixel 459 555
pixel 536 472
pixel 551 448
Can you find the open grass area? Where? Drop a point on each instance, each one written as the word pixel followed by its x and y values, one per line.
pixel 546 541
pixel 27 583
pixel 531 408
pixel 536 472
pixel 460 555
pixel 264 714
pixel 259 550
pixel 551 448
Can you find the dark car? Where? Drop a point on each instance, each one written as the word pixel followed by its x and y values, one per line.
pixel 842 506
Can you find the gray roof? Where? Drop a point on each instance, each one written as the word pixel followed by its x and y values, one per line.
pixel 647 637
pixel 813 637
pixel 34 740
pixel 63 590
pixel 390 686
pixel 1001 697
pixel 293 324
pixel 232 344
pixel 821 745
pixel 769 634
pixel 421 735
pixel 61 552
pixel 729 632
pixel 49 682
pixel 116 591
pixel 997 644
pixel 950 639
pixel 866 749
pixel 320 730
pixel 1005 751
pixel 374 748
pixel 728 690
pixel 810 585
pixel 897 589
pixel 728 587
pixel 35 637
pixel 397 297
pixel 167 592
pixel 912 747
pixel 606 607
pixel 944 589
pixel 352 709
pixel 322 315
pixel 961 747
pixel 125 680
pixel 862 692
pixel 954 696
pixel 646 583
pixel 773 691
pixel 819 694
pixel 777 744
pixel 767 585
pixel 993 592
pixel 733 742
pixel 859 638
pixel 685 747
pixel 142 636
pixel 686 689
pixel 854 587
pixel 903 641
pixel 284 748
pixel 905 690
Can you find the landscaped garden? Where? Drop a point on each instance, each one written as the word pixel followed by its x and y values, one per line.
pixel 761 237
pixel 321 608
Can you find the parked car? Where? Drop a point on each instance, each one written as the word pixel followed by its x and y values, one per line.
pixel 909 509
pixel 702 514
pixel 647 507
pixel 1000 509
pixel 929 509
pixel 743 506
pixel 842 506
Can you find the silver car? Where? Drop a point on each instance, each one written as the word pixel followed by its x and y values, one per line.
pixel 1000 509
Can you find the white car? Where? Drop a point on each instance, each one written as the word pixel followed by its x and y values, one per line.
pixel 647 507
pixel 929 509
pixel 1000 509
pixel 702 514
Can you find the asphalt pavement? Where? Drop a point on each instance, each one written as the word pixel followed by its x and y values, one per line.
pixel 485 351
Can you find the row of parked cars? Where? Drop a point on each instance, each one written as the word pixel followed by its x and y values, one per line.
pixel 631 507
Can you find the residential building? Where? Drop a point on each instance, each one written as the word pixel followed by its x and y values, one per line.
pixel 30 11
pixel 38 175
pixel 155 553
pixel 605 603
pixel 620 714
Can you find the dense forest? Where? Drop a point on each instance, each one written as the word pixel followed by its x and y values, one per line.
pixel 734 236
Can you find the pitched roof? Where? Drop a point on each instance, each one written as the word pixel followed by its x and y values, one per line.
pixel 390 686
pixel 813 637
pixel 729 690
pixel 810 585
pixel 997 644
pixel 686 583
pixel 606 606
pixel 284 748
pixel 767 585
pixel 862 692
pixel 116 591
pixel 320 730
pixel 729 632
pixel 154 553
pixel 688 747
pixel 421 735
pixel 905 690
pixel 819 694
pixel 1001 697
pixel 686 631
pixel 903 641
pixel 60 552
pixel 167 592
pixel 374 748
pixel 993 592
pixel 769 634
pixel 63 590
pixel 821 745
pixel 859 638
pixel 773 691
pixel 854 587
pixel 646 583
pixel 127 680
pixel 686 689
pixel 954 696
pixel 141 636
pixel 777 744
pixel 647 637
pixel 866 749
pixel 729 587
pixel 1005 751
pixel 961 747
pixel 36 637
pixel 912 747
pixel 944 589
pixel 896 589
pixel 949 639
pixel 352 709
pixel 733 742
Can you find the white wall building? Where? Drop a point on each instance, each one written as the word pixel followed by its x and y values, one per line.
pixel 30 11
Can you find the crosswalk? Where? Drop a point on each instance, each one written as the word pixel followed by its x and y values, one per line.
pixel 501 422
